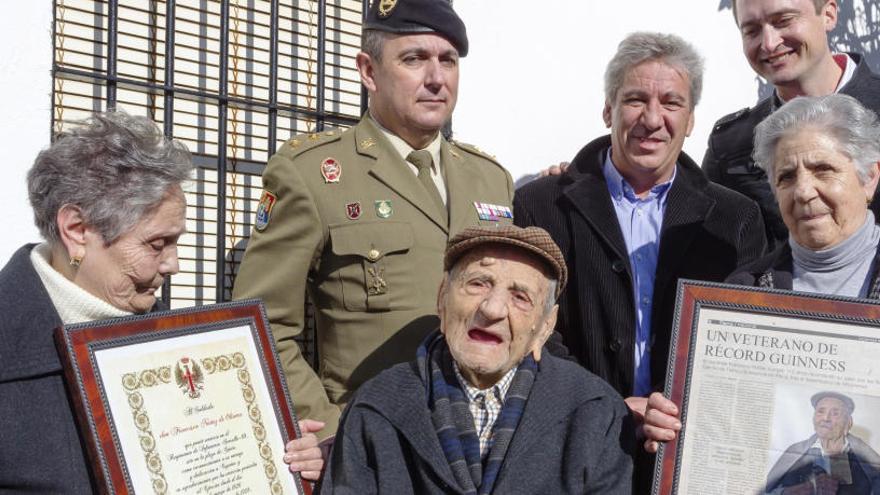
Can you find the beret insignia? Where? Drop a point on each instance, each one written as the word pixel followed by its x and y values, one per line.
pixel 386 6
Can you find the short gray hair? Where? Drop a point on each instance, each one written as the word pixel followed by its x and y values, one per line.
pixel 552 282
pixel 642 47
pixel 373 42
pixel 853 127
pixel 115 167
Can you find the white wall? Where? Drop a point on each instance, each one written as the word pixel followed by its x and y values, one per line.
pixel 531 88
pixel 25 86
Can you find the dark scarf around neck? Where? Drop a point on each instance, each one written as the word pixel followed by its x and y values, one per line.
pixel 454 423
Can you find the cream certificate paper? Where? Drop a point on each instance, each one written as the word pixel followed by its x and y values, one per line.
pixel 193 415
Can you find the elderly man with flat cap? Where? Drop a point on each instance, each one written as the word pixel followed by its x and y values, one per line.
pixel 831 461
pixel 481 409
pixel 359 219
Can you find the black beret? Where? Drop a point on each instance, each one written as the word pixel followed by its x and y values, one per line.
pixel 418 16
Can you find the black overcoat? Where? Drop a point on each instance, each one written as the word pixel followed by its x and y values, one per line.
pixel 707 232
pixel 40 447
pixel 41 450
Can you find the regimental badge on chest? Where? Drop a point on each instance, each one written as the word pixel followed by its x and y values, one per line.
pixel 331 170
pixel 376 285
pixel 384 208
pixel 353 210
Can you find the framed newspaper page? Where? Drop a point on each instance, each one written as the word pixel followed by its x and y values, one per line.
pixel 777 390
pixel 182 402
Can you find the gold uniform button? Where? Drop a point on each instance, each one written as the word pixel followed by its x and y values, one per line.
pixel 374 254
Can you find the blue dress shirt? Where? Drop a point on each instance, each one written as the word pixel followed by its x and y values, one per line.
pixel 640 220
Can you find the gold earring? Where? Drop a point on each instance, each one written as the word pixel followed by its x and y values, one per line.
pixel 75 261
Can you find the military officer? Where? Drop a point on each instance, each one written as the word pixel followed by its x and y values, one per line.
pixel 360 219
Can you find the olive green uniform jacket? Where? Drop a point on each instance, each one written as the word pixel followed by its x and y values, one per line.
pixel 368 247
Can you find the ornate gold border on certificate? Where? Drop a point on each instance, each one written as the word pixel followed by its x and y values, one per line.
pixel 133 381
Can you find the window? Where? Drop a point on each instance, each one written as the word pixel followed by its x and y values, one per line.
pixel 233 79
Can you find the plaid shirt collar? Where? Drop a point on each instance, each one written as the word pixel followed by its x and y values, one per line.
pixel 485 405
pixel 499 390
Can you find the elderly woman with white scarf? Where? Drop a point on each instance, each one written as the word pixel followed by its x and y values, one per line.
pixel 107 199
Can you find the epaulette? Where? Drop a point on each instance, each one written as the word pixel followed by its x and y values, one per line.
pixel 475 151
pixel 304 142
pixel 729 118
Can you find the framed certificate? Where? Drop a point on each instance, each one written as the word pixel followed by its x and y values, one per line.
pixel 777 391
pixel 182 402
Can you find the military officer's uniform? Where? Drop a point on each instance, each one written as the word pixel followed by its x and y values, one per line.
pixel 343 216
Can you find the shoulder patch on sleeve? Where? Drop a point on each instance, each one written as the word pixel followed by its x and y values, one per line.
pixel 733 117
pixel 264 210
pixel 304 142
pixel 470 148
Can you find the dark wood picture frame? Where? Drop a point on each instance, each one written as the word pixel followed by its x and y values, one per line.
pixel 77 345
pixel 693 296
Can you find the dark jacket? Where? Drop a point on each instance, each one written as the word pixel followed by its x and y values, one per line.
pixel 575 436
pixel 707 232
pixel 728 160
pixel 40 447
pixel 774 271
pixel 41 450
pixel 796 466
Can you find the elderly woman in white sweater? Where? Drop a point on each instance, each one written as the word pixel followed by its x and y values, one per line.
pixel 107 199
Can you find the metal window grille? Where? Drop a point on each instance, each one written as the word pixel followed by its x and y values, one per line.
pixel 233 79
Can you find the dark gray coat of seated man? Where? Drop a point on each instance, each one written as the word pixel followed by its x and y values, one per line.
pixel 479 410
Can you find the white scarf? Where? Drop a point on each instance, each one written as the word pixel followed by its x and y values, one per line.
pixel 74 304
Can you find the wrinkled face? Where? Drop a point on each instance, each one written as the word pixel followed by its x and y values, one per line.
pixel 831 419
pixel 649 119
pixel 818 190
pixel 785 40
pixel 491 310
pixel 415 85
pixel 127 273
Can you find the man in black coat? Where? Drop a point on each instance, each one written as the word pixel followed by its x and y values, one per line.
pixel 789 48
pixel 633 214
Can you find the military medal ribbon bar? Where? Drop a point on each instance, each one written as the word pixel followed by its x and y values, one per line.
pixel 492 213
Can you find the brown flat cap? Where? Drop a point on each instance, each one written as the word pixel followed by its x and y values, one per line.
pixel 534 239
